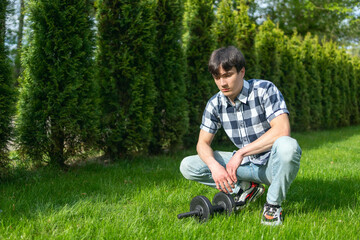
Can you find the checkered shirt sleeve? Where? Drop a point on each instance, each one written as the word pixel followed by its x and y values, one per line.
pixel 272 100
pixel 211 120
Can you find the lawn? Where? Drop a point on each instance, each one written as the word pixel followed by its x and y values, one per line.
pixel 140 199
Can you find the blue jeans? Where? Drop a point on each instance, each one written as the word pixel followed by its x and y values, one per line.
pixel 279 172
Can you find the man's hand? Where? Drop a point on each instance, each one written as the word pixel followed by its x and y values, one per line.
pixel 233 165
pixel 222 179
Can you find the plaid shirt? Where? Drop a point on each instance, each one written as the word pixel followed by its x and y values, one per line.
pixel 258 103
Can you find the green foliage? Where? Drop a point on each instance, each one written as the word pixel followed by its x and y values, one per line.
pixel 234 27
pixel 125 74
pixel 288 79
pixel 302 103
pixel 326 83
pixel 7 93
pixel 225 28
pixel 337 20
pixel 171 115
pixel 199 43
pixel 342 77
pixel 57 110
pixel 310 57
pixel 245 37
pixel 354 85
pixel 151 71
pixel 318 81
pixel 267 46
pixel 334 89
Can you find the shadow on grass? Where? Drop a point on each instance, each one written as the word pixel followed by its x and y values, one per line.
pixel 47 190
pixel 308 195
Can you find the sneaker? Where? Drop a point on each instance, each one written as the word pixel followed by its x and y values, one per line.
pixel 272 215
pixel 252 192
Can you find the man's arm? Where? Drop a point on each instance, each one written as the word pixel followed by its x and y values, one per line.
pixel 280 126
pixel 219 173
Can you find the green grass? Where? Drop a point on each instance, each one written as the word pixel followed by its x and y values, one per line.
pixel 140 199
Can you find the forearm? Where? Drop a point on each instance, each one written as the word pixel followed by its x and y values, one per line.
pixel 266 141
pixel 206 154
pixel 218 172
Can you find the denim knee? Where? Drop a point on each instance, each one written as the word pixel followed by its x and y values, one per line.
pixel 287 149
pixel 185 168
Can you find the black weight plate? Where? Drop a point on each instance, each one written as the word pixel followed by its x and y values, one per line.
pixel 202 204
pixel 224 200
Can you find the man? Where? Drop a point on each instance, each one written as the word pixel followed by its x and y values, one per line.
pixel 254 116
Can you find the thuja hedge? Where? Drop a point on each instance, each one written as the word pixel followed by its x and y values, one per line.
pixel 319 80
pixel 171 111
pixel 198 45
pixel 151 70
pixel 57 111
pixel 126 52
pixel 7 97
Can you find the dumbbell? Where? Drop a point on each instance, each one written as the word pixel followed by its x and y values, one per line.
pixel 201 208
pixel 227 202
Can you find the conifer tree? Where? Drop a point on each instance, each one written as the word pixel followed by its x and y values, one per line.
pixel 126 35
pixel 326 83
pixel 288 79
pixel 7 94
pixel 354 85
pixel 57 104
pixel 199 43
pixel 268 60
pixel 334 88
pixel 356 65
pixel 343 63
pixel 234 27
pixel 171 115
pixel 245 37
pixel 310 55
pixel 225 28
pixel 302 118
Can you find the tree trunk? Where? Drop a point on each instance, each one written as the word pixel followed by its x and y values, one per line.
pixel 57 155
pixel 19 40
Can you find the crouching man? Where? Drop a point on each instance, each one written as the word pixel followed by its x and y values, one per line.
pixel 254 116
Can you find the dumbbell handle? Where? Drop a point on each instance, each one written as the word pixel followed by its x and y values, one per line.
pixel 188 214
pixel 217 208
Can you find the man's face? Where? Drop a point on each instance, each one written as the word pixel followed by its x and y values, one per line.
pixel 230 83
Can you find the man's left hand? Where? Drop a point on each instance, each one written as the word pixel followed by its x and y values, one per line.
pixel 233 165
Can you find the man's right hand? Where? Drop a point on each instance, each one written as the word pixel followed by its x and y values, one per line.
pixel 222 179
pixel 220 175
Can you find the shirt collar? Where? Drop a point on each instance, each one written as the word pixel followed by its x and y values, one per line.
pixel 242 97
pixel 244 94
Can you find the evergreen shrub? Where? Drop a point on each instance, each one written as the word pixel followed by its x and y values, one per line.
pixel 126 35
pixel 171 111
pixel 57 109
pixel 199 43
pixel 7 93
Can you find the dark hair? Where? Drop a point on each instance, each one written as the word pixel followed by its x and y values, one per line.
pixel 227 58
